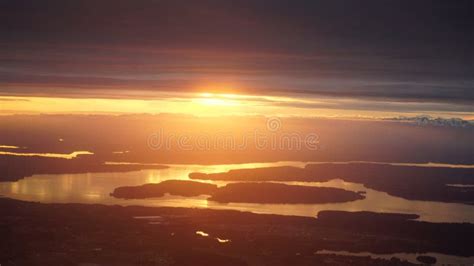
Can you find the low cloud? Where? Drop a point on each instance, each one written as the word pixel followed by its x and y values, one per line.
pixel 438 121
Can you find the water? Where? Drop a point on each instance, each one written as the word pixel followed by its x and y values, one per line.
pixel 95 188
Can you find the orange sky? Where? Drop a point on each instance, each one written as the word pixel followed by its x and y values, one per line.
pixel 216 104
pixel 307 58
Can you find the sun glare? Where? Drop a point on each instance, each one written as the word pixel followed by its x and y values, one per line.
pixel 217 99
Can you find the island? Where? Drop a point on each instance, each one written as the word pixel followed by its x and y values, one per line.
pixel 281 193
pixel 172 187
pixel 240 192
pixel 409 182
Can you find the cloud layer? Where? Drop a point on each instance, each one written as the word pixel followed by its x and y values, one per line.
pixel 385 51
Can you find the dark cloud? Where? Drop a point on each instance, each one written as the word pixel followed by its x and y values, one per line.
pixel 391 50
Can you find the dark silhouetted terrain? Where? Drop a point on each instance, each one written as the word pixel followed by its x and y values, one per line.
pixel 409 182
pixel 173 187
pixel 240 192
pixel 18 167
pixel 70 234
pixel 281 193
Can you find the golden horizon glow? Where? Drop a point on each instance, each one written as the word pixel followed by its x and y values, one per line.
pixel 217 99
pixel 220 104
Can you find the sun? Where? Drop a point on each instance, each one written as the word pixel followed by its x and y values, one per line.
pixel 215 99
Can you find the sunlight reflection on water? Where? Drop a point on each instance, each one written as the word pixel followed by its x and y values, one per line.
pixel 95 188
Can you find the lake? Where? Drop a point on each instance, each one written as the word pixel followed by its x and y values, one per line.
pixel 95 188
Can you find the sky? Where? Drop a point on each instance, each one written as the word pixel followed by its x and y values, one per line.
pixel 329 58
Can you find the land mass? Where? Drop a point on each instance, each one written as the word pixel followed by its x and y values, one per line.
pixel 13 167
pixel 173 187
pixel 409 182
pixel 240 192
pixel 79 234
pixel 281 193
